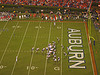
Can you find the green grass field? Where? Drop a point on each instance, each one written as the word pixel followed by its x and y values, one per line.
pixel 17 39
pixel 96 48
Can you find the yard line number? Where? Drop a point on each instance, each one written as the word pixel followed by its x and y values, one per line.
pixel 1 67
pixel 31 67
pixel 58 27
pixel 56 68
pixel 38 27
pixel 16 26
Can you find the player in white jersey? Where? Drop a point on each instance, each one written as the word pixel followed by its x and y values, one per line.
pixel 32 48
pixel 16 58
pixel 43 50
pixel 65 54
pixel 46 48
pixel 62 46
pixel 54 50
pixel 48 55
pixel 58 39
pixel 53 53
pixel 54 56
pixel 58 58
pixel 67 48
pixel 54 23
pixel 55 60
pixel 50 46
pixel 37 49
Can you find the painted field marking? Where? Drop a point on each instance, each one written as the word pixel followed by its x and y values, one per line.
pixel 1 66
pixel 89 48
pixel 38 27
pixel 4 27
pixel 8 44
pixel 47 51
pixel 20 47
pixel 49 21
pixel 32 67
pixel 16 26
pixel 58 27
pixel 91 57
pixel 34 46
pixel 61 47
pixel 13 51
pixel 56 68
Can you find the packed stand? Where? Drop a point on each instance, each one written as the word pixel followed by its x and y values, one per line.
pixel 5 16
pixel 81 4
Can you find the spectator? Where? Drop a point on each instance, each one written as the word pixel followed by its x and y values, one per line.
pixel 58 3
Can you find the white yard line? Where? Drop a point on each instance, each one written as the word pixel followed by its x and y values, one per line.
pixel 4 27
pixel 61 47
pixel 89 50
pixel 46 56
pixel 5 24
pixel 20 48
pixel 34 46
pixel 8 44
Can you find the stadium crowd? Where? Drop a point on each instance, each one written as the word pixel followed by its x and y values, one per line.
pixel 82 4
pixel 97 25
pixel 4 16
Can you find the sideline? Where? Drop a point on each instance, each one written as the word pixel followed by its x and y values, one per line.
pixel 48 21
pixel 91 51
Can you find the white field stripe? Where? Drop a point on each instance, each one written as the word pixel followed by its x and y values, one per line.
pixel 46 56
pixel 34 47
pixel 4 27
pixel 20 48
pixel 89 50
pixel 61 47
pixel 8 44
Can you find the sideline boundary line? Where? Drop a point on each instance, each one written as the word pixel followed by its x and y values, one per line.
pixel 91 51
pixel 48 21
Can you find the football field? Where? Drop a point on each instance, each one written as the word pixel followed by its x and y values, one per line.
pixel 17 38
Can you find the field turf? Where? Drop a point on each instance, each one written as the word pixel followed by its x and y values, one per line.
pixel 17 39
pixel 96 48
